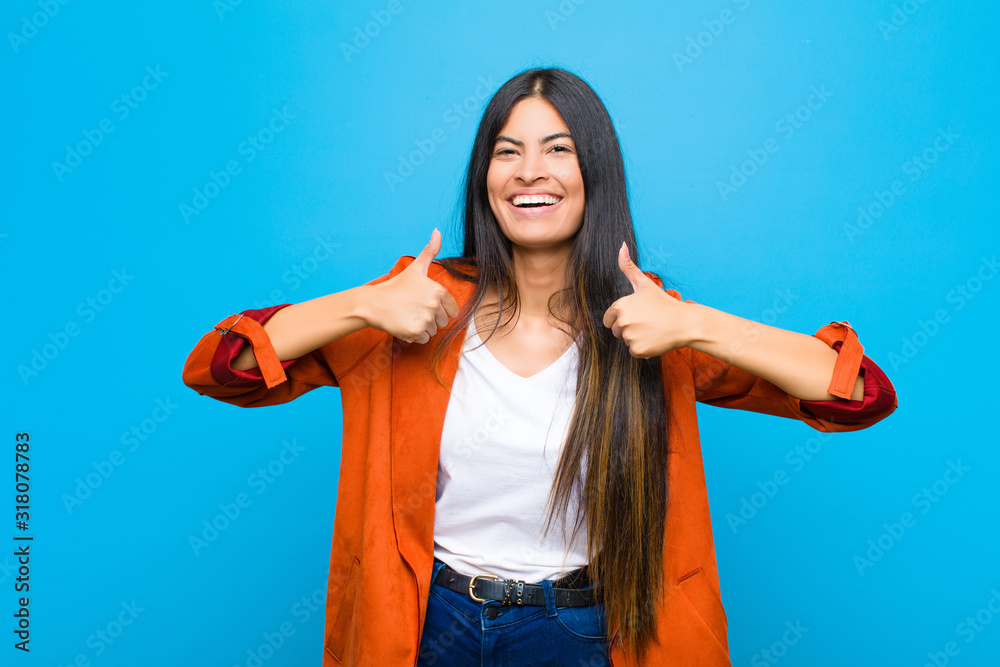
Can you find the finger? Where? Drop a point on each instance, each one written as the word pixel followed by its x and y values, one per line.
pixel 617 331
pixel 611 315
pixel 450 305
pixel 635 276
pixel 423 261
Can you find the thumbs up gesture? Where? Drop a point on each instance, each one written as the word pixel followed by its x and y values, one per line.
pixel 411 306
pixel 649 320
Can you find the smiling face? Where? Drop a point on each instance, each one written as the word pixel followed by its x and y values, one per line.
pixel 534 182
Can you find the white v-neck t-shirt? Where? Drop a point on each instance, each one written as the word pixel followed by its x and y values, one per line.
pixel 500 446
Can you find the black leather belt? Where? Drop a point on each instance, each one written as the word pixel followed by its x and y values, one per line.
pixel 569 591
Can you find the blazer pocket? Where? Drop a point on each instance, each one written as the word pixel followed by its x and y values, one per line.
pixel 340 622
pixel 707 603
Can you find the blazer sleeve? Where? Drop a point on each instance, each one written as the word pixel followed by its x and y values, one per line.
pixel 717 382
pixel 209 371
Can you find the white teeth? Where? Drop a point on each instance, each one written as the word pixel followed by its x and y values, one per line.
pixel 521 200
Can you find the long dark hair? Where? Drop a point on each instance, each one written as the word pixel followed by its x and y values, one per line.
pixel 614 461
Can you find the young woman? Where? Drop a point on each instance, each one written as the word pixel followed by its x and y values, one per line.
pixel 521 478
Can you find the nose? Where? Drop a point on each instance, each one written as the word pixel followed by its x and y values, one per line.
pixel 532 167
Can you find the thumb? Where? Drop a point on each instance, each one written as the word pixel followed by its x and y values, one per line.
pixel 631 271
pixel 426 256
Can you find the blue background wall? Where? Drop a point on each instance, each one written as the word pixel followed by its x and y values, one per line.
pixel 884 106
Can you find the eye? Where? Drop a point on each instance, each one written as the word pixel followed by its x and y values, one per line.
pixel 561 148
pixel 504 151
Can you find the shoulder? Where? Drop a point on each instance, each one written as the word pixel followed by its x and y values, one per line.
pixel 447 271
pixel 659 283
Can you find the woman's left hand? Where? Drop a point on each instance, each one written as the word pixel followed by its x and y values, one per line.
pixel 649 320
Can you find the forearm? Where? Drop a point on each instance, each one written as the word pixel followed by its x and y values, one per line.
pixel 799 364
pixel 303 327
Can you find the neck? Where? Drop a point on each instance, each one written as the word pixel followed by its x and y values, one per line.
pixel 539 273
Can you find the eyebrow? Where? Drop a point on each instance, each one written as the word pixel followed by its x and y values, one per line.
pixel 544 140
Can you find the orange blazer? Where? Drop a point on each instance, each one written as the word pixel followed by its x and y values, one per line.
pixel 394 410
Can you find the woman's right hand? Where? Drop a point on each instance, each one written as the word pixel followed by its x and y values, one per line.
pixel 410 306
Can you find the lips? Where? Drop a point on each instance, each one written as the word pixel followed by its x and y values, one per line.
pixel 533 202
pixel 531 210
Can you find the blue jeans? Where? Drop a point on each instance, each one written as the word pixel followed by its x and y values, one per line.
pixel 462 632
